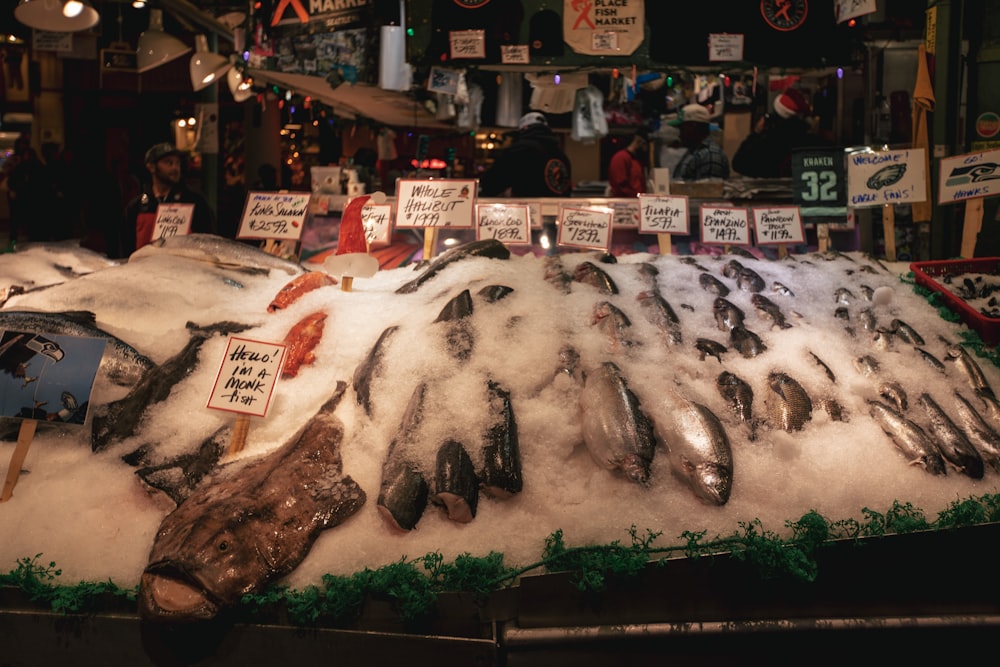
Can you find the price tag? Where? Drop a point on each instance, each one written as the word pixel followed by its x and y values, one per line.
pixel 173 220
pixel 274 215
pixel 442 202
pixel 778 225
pixel 725 225
pixel 509 224
pixel 585 227
pixel 664 215
pixel 247 376
pixel 377 221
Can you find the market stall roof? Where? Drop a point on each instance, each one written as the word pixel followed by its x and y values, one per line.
pixel 356 100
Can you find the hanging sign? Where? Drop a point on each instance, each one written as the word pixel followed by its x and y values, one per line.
pixel 886 177
pixel 725 47
pixel 604 27
pixel 274 215
pixel 467 43
pixel 436 202
pixel 509 224
pixel 778 225
pixel 664 215
pixel 585 227
pixel 784 15
pixel 247 376
pixel 725 225
pixel 173 220
pixel 969 177
pixel 845 10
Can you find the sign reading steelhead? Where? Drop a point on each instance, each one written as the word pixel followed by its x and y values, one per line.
pixel 886 177
pixel 173 220
pixel 585 227
pixel 509 224
pixel 604 27
pixel 778 225
pixel 663 215
pixel 247 376
pixel 724 225
pixel 274 215
pixel 436 202
pixel 969 176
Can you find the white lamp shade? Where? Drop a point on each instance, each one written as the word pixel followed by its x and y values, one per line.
pixel 238 85
pixel 156 47
pixel 50 15
pixel 206 67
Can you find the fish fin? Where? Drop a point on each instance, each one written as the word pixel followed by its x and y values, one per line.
pixel 339 501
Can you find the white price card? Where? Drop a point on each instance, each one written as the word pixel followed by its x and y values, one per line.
pixel 173 220
pixel 725 225
pixel 585 227
pixel 247 376
pixel 274 215
pixel 664 215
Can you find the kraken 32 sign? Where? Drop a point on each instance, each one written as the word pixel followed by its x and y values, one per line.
pixel 818 177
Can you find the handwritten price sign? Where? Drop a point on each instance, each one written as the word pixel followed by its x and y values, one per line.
pixel 173 220
pixel 585 227
pixel 439 202
pixel 778 225
pixel 511 225
pixel 725 225
pixel 467 43
pixel 247 377
pixel 663 215
pixel 376 219
pixel 274 215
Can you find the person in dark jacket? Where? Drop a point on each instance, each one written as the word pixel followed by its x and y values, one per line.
pixel 767 150
pixel 532 166
pixel 163 161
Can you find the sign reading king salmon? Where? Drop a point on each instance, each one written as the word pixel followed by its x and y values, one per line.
pixel 247 376
pixel 604 27
pixel 274 215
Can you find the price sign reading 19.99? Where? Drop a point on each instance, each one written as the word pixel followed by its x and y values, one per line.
pixel 819 177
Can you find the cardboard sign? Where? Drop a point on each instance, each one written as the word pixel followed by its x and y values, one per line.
pixel 725 47
pixel 725 225
pixel 274 215
pixel 173 220
pixel 778 225
pixel 604 27
pixel 509 224
pixel 886 177
pixel 441 202
pixel 585 227
pixel 49 376
pixel 663 215
pixel 969 176
pixel 247 376
pixel 377 221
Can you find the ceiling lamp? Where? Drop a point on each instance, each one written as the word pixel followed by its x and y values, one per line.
pixel 155 46
pixel 206 66
pixel 239 85
pixel 56 15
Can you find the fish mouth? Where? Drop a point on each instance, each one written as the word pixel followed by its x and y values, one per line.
pixel 168 593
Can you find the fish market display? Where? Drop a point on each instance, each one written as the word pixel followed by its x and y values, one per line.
pixel 482 400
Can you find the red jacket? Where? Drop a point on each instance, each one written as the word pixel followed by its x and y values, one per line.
pixel 626 175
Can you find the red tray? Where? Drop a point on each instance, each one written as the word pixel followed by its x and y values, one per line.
pixel 927 273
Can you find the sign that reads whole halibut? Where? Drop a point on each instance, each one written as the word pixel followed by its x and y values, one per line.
pixel 274 215
pixel 436 202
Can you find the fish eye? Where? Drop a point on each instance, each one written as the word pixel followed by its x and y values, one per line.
pixel 223 546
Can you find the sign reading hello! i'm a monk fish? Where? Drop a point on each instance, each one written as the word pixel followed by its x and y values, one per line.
pixel 247 376
pixel 875 178
pixel 274 215
pixel 436 202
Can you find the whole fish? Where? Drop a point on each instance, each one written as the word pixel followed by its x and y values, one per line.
pixel 556 274
pixel 738 395
pixel 369 369
pixel 934 362
pixel 771 310
pixel 868 320
pixel 614 324
pixel 247 527
pixel 954 445
pixel 780 288
pixel 490 248
pixel 973 372
pixel 823 365
pixel 120 419
pixel 843 296
pixel 749 280
pixel 906 332
pixel 219 251
pixel 493 293
pixel 732 268
pixel 908 437
pixel 691 261
pixel 589 273
pixel 501 475
pixel 710 348
pixel 179 477
pixel 293 290
pixel 459 332
pixel 894 393
pixel 867 365
pixel 981 434
pixel 698 449
pixel 618 434
pixel 712 284
pixel 728 315
pixel 404 491
pixel 867 293
pixel 121 363
pixel 834 409
pixel 746 342
pixel 659 313
pixel 456 487
pixel 301 341
pixel 788 405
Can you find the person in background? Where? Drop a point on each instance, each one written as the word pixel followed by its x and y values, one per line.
pixel 767 150
pixel 532 166
pixel 627 168
pixel 163 162
pixel 704 158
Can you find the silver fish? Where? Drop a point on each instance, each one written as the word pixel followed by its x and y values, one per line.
pixel 779 288
pixel 822 364
pixel 868 320
pixel 867 365
pixel 618 434
pixel 728 315
pixel 981 434
pixel 699 450
pixel 894 393
pixel 973 372
pixel 770 309
pixel 556 274
pixel 712 284
pixel 788 405
pixel 732 269
pixel 844 296
pixel 659 313
pixel 749 281
pixel 591 274
pixel 906 332
pixel 218 251
pixel 954 445
pixel 908 437
pixel 490 248
pixel 738 395
pixel 935 363
pixel 614 323
pixel 834 409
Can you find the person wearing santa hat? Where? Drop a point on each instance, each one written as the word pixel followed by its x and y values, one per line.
pixel 767 150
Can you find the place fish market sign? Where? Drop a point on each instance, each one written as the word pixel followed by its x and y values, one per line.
pixel 323 13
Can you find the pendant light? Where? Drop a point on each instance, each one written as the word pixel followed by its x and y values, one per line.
pixel 206 66
pixel 156 47
pixel 56 15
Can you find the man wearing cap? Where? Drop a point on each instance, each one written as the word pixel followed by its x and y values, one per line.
pixel 532 166
pixel 163 162
pixel 704 158
pixel 767 150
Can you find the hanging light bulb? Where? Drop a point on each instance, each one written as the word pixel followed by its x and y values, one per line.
pixel 156 47
pixel 206 66
pixel 239 85
pixel 56 16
